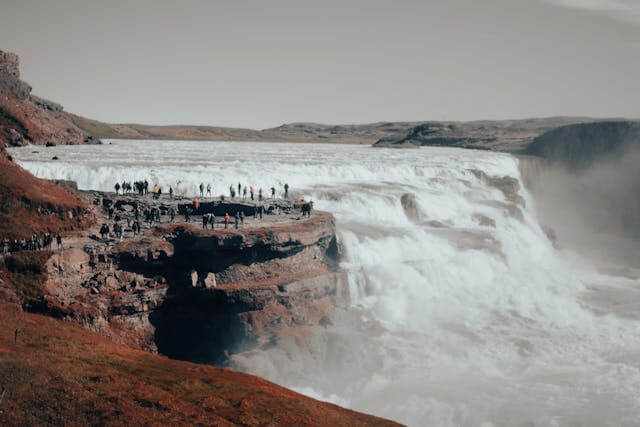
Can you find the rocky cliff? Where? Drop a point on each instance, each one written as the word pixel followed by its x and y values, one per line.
pixel 579 146
pixel 200 295
pixel 26 118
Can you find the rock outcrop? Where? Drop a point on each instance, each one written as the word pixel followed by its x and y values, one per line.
pixel 203 295
pixel 28 119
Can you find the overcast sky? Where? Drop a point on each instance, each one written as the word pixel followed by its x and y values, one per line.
pixel 263 63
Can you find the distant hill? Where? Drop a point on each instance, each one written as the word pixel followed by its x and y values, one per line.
pixel 512 136
pixel 578 146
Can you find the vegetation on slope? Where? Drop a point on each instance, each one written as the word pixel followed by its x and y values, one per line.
pixel 30 205
pixel 60 373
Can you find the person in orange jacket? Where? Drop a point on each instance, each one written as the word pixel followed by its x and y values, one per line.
pixel 226 220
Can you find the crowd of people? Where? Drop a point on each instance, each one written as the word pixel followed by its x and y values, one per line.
pixel 35 243
pixel 153 215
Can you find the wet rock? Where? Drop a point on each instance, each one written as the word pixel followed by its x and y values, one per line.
pixel 484 220
pixel 509 186
pixel 410 206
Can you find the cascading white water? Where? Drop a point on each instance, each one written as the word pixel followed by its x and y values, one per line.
pixel 455 321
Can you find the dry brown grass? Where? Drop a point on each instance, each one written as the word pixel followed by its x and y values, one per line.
pixel 62 374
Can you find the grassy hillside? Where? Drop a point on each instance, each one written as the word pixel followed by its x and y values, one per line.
pixel 62 374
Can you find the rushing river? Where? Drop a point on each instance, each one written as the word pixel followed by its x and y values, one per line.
pixel 455 319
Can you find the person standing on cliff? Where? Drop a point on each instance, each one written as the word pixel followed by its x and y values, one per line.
pixel 117 187
pixel 239 188
pixel 251 192
pixel 226 220
pixel 273 192
pixel 260 194
pixel 244 192
pixel 209 190
pixel 202 189
pixel 170 192
pixel 286 191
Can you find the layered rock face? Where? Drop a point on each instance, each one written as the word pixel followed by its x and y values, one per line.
pixel 25 118
pixel 204 295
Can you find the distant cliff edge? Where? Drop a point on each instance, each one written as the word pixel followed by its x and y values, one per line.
pixel 578 146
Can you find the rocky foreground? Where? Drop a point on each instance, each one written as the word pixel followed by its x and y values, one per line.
pixel 85 330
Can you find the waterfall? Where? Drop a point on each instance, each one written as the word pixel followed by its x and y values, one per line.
pixel 463 311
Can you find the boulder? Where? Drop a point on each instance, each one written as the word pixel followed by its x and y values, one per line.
pixel 194 278
pixel 410 206
pixel 210 281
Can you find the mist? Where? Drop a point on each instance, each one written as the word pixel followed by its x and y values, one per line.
pixel 593 211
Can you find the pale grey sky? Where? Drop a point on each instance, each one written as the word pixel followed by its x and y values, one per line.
pixel 262 63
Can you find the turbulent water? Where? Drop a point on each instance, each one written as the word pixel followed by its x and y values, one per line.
pixel 454 320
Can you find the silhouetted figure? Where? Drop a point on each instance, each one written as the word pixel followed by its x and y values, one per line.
pixel 104 231
pixel 117 187
pixel 237 220
pixel 170 192
pixel 239 188
pixel 242 217
pixel 273 192
pixel 59 241
pixel 244 192
pixel 286 191
pixel 205 221
pixel 209 190
pixel 251 192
